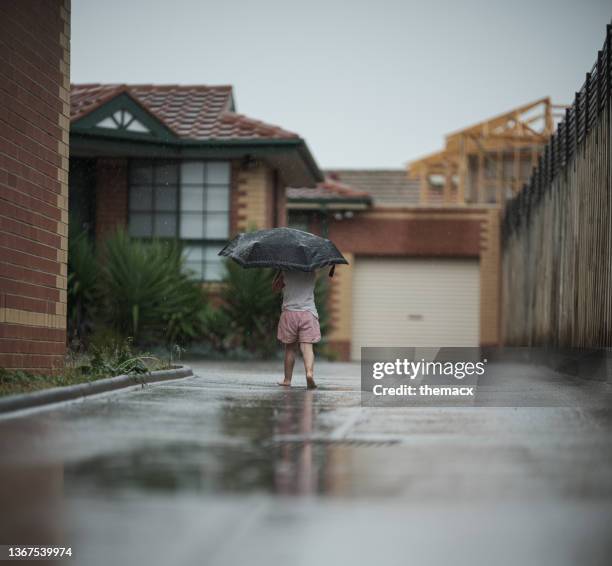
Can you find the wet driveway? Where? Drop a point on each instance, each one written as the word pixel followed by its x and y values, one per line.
pixel 227 468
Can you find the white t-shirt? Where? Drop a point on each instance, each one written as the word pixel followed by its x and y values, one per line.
pixel 298 292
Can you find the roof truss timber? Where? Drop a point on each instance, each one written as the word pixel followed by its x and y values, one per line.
pixel 515 136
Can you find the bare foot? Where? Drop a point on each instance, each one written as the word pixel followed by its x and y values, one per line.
pixel 310 383
pixel 284 383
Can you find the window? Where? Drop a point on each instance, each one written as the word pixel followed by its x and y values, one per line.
pixel 188 200
pixel 122 120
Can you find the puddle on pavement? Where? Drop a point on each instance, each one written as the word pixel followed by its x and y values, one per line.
pixel 244 453
pixel 245 458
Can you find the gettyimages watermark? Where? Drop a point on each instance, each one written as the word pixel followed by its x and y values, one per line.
pixel 467 377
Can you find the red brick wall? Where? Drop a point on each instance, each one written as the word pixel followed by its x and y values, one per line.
pixel 407 237
pixel 34 118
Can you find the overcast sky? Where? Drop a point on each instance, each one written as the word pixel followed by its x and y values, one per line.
pixel 371 83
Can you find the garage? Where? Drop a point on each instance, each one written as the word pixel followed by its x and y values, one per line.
pixel 415 302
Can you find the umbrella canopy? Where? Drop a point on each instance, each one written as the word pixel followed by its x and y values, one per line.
pixel 282 248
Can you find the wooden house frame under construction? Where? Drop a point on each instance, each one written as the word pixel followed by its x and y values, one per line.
pixel 488 162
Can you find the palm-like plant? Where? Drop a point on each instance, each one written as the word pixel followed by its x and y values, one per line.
pixel 83 275
pixel 146 292
pixel 252 307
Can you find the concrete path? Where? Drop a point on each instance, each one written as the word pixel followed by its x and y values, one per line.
pixel 227 469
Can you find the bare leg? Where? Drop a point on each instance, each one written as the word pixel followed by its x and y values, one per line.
pixel 308 355
pixel 290 350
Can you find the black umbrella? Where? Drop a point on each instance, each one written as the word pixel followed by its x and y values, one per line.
pixel 282 248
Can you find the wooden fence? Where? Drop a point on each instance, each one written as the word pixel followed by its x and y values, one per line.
pixel 557 232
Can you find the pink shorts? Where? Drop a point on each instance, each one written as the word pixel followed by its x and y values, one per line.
pixel 298 326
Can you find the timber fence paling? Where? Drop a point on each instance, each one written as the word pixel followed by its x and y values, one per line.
pixel 557 231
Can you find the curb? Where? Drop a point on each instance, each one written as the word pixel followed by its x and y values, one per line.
pixel 58 394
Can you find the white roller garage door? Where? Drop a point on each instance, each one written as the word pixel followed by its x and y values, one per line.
pixel 415 302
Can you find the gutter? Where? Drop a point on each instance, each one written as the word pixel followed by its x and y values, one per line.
pixel 298 144
pixel 59 394
pixel 338 204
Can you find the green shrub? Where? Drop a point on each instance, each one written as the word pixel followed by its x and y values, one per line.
pixel 83 295
pixel 116 357
pixel 138 289
pixel 251 308
pixel 217 328
pixel 146 293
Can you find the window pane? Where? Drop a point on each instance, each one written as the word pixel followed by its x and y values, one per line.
pixel 136 126
pixel 217 199
pixel 193 253
pixel 192 199
pixel 192 172
pixel 217 173
pixel 141 172
pixel 166 173
pixel 193 261
pixel 165 225
pixel 165 198
pixel 211 253
pixel 214 266
pixel 141 198
pixel 213 271
pixel 217 225
pixel 141 225
pixel 192 226
pixel 194 269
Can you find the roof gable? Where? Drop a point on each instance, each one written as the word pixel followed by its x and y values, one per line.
pixel 181 121
pixel 120 115
pixel 196 112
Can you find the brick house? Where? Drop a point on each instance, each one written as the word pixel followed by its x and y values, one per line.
pixel 419 275
pixel 34 124
pixel 179 162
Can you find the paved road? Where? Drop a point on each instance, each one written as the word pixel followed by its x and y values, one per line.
pixel 227 469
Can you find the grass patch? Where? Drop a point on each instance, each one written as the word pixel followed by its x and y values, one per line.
pixel 107 361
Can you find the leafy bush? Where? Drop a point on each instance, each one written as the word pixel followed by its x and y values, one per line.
pixel 137 289
pixel 251 308
pixel 116 357
pixel 146 293
pixel 83 275
pixel 217 328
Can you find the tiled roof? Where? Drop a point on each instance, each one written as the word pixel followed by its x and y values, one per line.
pixel 328 190
pixel 388 187
pixel 192 112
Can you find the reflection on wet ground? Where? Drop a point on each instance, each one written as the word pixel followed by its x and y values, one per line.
pixel 249 461
pixel 226 467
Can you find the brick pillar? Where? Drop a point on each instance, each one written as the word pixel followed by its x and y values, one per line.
pixel 253 198
pixel 35 115
pixel 280 201
pixel 341 308
pixel 111 195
